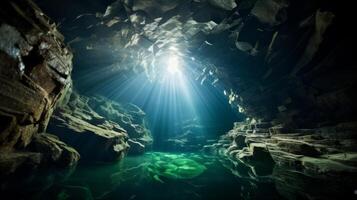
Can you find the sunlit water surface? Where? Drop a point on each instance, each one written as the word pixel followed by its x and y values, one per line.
pixel 161 176
pixel 158 175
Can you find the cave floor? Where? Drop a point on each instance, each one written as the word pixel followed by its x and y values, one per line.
pixel 159 175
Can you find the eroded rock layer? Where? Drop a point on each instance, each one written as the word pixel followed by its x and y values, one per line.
pixel 35 69
pixel 260 150
pixel 101 129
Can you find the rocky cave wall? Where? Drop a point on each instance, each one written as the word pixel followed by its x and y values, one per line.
pixel 282 63
pixel 36 88
pixel 35 72
pixel 294 78
pixel 99 128
pixel 287 65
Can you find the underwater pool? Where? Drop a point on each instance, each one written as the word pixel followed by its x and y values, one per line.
pixel 160 175
pixel 173 176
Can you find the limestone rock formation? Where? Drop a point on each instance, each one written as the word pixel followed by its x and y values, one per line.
pixel 293 161
pixel 91 134
pixel 35 70
pixel 128 116
pixel 100 129
pixel 315 151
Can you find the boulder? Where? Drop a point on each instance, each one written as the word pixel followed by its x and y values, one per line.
pixel 54 151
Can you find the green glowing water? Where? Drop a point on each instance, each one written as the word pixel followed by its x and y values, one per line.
pixel 174 166
pixel 171 176
pixel 155 175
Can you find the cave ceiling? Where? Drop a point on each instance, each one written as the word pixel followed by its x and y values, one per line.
pixel 254 50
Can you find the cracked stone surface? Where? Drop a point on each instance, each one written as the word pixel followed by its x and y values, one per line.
pixel 35 71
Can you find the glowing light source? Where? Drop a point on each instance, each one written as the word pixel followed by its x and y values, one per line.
pixel 173 66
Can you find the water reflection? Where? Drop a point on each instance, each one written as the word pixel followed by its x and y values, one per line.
pixel 174 176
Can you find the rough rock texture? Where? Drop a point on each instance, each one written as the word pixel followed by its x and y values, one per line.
pixel 294 161
pixel 281 61
pixel 35 69
pixel 128 116
pixel 316 151
pixel 54 150
pixel 276 60
pixel 92 135
pixel 99 128
pixel 18 162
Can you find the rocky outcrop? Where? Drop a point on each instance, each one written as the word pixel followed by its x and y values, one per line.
pixel 35 69
pixel 293 161
pixel 314 151
pixel 128 116
pixel 92 135
pixel 101 129
pixel 53 150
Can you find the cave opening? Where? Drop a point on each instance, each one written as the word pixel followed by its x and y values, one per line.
pixel 177 99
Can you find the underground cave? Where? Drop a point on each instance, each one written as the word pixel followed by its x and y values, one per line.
pixel 177 100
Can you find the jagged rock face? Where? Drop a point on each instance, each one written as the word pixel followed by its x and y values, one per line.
pixel 101 129
pixel 278 61
pixel 294 159
pixel 128 116
pixel 35 69
pixel 315 151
